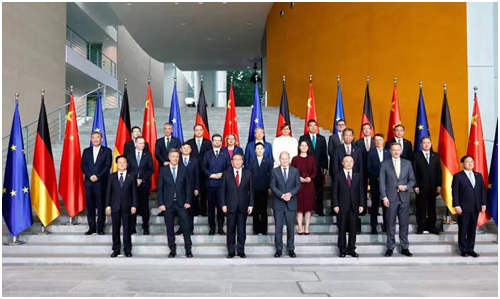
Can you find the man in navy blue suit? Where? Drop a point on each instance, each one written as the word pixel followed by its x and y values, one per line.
pixel 96 162
pixel 469 198
pixel 375 157
pixel 193 167
pixel 164 144
pixel 250 148
pixel 215 162
pixel 129 146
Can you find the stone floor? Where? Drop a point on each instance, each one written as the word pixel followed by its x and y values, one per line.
pixel 88 280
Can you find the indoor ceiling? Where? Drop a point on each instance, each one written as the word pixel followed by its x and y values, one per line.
pixel 197 35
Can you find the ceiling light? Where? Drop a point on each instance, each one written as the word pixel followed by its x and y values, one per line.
pixel 200 2
pixel 183 24
pixel 129 4
pixel 224 2
pixel 209 38
pixel 176 3
pixel 248 23
pixel 248 67
pixel 228 38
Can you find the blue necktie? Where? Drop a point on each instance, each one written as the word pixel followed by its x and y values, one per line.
pixel 122 180
pixel 314 141
pixel 138 158
pixel 472 179
pixel 185 162
pixel 174 174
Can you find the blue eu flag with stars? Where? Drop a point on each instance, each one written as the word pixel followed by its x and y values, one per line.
pixel 339 108
pixel 98 124
pixel 16 201
pixel 422 126
pixel 256 120
pixel 175 116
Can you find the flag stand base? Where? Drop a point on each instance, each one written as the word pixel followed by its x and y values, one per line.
pixel 14 242
pixel 44 231
pixel 71 222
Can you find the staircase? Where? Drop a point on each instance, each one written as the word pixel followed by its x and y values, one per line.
pixel 67 244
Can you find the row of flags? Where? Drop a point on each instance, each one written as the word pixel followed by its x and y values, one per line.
pixel 43 196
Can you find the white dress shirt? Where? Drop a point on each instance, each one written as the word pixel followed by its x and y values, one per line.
pixel 350 147
pixel 346 172
pixel 369 140
pixel 96 152
pixel 240 172
pixel 401 142
pixel 380 152
pixel 281 144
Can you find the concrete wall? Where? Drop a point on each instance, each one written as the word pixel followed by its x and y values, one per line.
pixel 136 65
pixel 34 36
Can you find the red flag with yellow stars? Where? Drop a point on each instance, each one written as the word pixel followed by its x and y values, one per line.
pixel 149 133
pixel 395 116
pixel 231 125
pixel 311 107
pixel 477 150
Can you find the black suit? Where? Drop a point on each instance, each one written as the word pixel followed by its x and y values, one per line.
pixel 373 170
pixel 470 199
pixel 95 193
pixel 237 199
pixel 427 179
pixel 407 148
pixel 121 199
pixel 261 176
pixel 193 168
pixel 143 172
pixel 360 143
pixel 129 147
pixel 200 203
pixel 173 194
pixel 321 157
pixel 348 198
pixel 161 152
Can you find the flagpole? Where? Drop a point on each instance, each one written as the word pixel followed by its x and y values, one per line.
pixel 367 80
pixel 310 78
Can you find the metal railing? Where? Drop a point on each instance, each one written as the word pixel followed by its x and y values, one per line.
pixel 90 52
pixel 57 122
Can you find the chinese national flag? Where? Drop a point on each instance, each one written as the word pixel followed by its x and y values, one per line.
pixel 231 125
pixel 395 116
pixel 477 150
pixel 71 186
pixel 310 109
pixel 123 131
pixel 149 133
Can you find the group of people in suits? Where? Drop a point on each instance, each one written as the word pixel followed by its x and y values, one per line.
pixel 201 177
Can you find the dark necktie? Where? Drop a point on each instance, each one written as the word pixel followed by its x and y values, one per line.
pixel 427 158
pixel 216 154
pixel 285 176
pixel 185 162
pixel 349 179
pixel 168 143
pixel 122 180
pixel 237 178
pixel 174 175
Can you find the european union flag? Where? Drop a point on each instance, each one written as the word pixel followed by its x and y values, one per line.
pixel 339 107
pixel 256 120
pixel 422 126
pixel 98 124
pixel 493 181
pixel 16 209
pixel 175 116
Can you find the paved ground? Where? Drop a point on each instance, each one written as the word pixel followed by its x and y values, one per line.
pixel 78 280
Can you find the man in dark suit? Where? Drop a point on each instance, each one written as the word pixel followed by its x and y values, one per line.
pixel 199 146
pixel 121 204
pixel 406 145
pixel 215 162
pixel 164 144
pixel 96 162
pixel 175 194
pixel 319 150
pixel 250 147
pixel 348 200
pixel 336 138
pixel 375 157
pixel 346 148
pixel 285 184
pixel 140 163
pixel 129 147
pixel 469 199
pixel 365 144
pixel 396 180
pixel 427 168
pixel 237 201
pixel 193 168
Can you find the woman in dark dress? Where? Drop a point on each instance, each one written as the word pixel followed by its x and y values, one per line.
pixel 306 165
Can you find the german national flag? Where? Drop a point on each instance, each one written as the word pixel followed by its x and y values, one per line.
pixel 284 116
pixel 123 131
pixel 448 154
pixel 367 117
pixel 201 113
pixel 44 196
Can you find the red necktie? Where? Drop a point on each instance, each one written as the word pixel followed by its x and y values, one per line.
pixel 349 179
pixel 237 178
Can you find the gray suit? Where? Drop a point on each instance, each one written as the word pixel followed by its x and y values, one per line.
pixel 285 211
pixel 399 201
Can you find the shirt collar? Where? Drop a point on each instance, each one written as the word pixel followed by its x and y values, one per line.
pixel 394 159
pixel 468 171
pixel 345 172
pixel 124 173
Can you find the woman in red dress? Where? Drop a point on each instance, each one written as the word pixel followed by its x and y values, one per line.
pixel 306 165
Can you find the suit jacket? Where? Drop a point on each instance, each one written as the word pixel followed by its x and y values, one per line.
pixel 389 182
pixel 427 175
pixel 101 166
pixel 193 168
pixel 180 189
pixel 129 147
pixel 234 197
pixel 261 175
pixel 250 151
pixel 237 150
pixel 212 164
pixel 320 153
pixel 206 145
pixel 121 199
pixel 469 198
pixel 407 148
pixel 360 144
pixel 336 164
pixel 142 171
pixel 161 152
pixel 280 187
pixel 373 162
pixel 348 199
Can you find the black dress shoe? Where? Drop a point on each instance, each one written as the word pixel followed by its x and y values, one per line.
pixel 189 254
pixel 264 234
pixel 255 233
pixel 434 231
pixel 374 231
pixel 292 254
pixel 221 232
pixel 90 231
pixel 172 254
pixel 146 232
pixel 321 214
pixel 406 252
pixel 133 231
pixel 178 232
pixel 128 254
pixel 388 252
pixel 464 254
pixel 230 255
pixel 115 253
pixel 211 232
pixel 473 254
pixel 278 254
pixel 242 255
pixel 342 254
pixel 101 232
pixel 419 231
pixel 353 253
